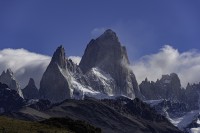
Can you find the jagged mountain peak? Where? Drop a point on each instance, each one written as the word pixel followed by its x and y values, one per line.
pixel 59 57
pixel 7 77
pixel 168 76
pixel 31 82
pixel 108 55
pixel 31 91
pixel 103 68
pixel 172 79
pixel 104 52
pixel 168 87
pixel 109 31
pixel 173 75
pixel 8 72
pixel 55 85
pixel 146 79
pixel 109 34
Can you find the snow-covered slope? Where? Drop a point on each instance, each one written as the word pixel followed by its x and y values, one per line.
pixel 101 81
pixel 152 103
pixel 178 114
pixel 184 121
pixel 79 90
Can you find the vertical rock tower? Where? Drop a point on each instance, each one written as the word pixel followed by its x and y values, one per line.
pixel 107 54
pixel 55 85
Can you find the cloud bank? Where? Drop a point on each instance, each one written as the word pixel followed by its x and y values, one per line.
pixel 166 61
pixel 24 64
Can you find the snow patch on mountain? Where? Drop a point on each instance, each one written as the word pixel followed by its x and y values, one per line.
pixel 103 79
pixel 195 130
pixel 153 102
pixel 182 122
pixel 98 72
pixel 79 91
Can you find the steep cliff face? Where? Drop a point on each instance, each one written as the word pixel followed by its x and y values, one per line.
pixel 55 85
pixel 7 77
pixel 106 54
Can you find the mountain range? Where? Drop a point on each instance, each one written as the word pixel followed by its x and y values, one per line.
pixel 103 91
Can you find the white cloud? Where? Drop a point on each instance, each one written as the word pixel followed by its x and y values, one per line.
pixel 96 32
pixel 75 59
pixel 24 64
pixel 27 64
pixel 166 61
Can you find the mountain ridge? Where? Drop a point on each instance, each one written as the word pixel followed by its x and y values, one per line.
pixel 106 69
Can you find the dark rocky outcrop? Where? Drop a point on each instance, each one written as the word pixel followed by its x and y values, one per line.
pixel 10 100
pixel 31 91
pixel 111 115
pixel 41 105
pixel 134 107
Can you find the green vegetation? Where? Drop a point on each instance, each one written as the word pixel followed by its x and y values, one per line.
pixel 76 126
pixel 52 125
pixel 9 125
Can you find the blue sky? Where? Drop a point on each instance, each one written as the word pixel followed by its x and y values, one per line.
pixel 143 26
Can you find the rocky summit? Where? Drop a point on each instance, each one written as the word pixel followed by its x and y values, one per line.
pixel 55 84
pixel 7 77
pixel 106 54
pixel 31 91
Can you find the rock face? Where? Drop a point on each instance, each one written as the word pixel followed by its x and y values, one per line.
pixel 62 79
pixel 168 87
pixel 10 100
pixel 106 54
pixel 31 91
pixel 7 77
pixel 55 85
